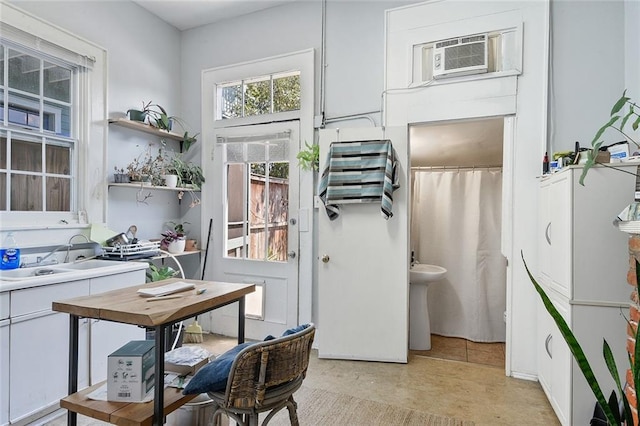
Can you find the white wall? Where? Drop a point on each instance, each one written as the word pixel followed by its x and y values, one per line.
pixel 143 55
pixel 587 68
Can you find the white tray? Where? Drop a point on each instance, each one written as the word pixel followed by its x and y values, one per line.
pixel 130 250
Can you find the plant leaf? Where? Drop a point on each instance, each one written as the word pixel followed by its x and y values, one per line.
pixel 626 117
pixel 613 370
pixel 636 123
pixel 574 346
pixel 600 131
pixel 620 103
pixel 591 161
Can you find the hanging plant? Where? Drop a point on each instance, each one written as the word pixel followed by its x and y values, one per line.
pixel 309 158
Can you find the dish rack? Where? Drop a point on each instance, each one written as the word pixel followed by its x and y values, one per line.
pixel 132 251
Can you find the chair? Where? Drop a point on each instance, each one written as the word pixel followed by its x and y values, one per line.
pixel 263 377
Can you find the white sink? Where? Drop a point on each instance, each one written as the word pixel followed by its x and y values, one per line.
pixel 422 273
pixel 66 271
pixel 30 273
pixel 83 265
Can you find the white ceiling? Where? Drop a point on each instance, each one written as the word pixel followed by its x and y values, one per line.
pixel 186 14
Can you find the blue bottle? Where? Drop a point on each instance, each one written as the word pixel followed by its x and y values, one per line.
pixel 9 253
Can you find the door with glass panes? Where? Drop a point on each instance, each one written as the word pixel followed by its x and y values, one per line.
pixel 255 232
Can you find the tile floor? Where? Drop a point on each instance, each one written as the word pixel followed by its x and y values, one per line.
pixel 470 385
pixel 457 349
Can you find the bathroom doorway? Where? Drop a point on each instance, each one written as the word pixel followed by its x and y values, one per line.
pixel 456 222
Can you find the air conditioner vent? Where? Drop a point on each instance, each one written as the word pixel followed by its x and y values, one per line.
pixel 460 56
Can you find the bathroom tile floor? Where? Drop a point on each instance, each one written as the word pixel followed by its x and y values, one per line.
pixel 468 390
pixel 457 349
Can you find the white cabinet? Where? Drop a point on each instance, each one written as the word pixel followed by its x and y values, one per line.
pixel 4 372
pixel 555 214
pixel 4 358
pixel 583 263
pixel 554 358
pixel 39 349
pixel 34 350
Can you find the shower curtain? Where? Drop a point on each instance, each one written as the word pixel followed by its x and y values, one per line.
pixel 456 223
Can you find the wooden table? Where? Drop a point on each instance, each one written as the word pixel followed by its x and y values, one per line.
pixel 126 306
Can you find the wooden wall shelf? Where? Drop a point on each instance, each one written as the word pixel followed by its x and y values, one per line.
pixel 136 125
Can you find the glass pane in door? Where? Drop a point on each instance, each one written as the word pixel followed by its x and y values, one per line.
pixel 257 201
pixel 235 243
pixel 278 214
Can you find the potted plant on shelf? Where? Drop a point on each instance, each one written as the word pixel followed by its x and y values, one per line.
pixel 120 176
pixel 190 175
pixel 140 114
pixel 179 227
pixel 144 168
pixel 172 241
pixel 168 172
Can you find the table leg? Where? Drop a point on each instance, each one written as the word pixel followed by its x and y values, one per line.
pixel 241 320
pixel 158 393
pixel 72 417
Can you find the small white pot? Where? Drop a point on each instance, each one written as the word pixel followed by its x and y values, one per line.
pixel 170 181
pixel 176 246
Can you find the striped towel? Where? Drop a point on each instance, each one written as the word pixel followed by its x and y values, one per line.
pixel 359 172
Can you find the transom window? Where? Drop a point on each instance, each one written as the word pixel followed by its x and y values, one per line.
pixel 261 95
pixel 37 151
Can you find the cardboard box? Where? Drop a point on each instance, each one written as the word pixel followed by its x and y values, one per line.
pixel 130 371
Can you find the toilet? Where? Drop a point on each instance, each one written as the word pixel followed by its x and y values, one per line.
pixel 420 277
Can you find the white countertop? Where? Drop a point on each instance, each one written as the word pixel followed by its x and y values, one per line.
pixel 110 268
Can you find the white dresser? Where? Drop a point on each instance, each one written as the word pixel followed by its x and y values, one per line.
pixel 583 261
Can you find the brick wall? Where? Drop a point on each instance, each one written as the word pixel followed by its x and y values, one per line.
pixel 634 317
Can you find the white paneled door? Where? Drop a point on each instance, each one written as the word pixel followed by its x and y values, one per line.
pixel 256 225
pixel 363 262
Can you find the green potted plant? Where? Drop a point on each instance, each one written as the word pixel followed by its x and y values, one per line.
pixel 140 114
pixel 189 174
pixel 158 274
pixel 179 227
pixel 172 241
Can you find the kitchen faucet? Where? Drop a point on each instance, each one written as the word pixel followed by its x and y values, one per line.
pixel 40 261
pixel 70 244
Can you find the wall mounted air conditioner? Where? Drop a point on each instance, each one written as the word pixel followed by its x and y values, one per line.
pixel 460 56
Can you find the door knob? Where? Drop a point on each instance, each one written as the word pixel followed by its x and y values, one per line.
pixel 291 254
pixel 325 258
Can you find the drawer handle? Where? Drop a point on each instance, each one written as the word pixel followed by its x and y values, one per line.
pixel 546 345
pixel 546 233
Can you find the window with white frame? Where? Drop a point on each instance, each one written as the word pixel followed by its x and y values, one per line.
pixel 267 94
pixel 37 148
